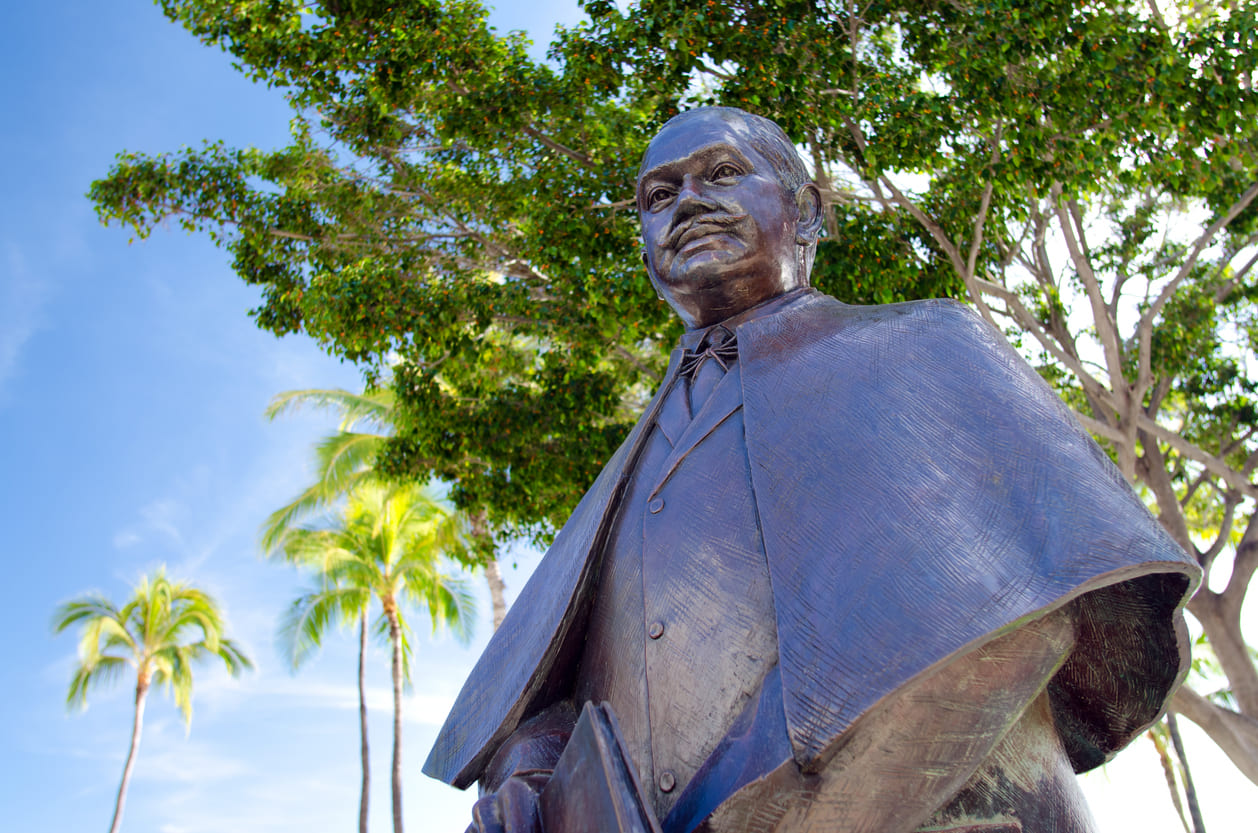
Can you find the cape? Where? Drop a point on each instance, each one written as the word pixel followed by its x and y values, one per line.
pixel 920 490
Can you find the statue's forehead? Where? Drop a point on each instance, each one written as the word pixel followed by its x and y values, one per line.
pixel 679 140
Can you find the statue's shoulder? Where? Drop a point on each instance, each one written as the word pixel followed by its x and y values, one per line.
pixel 945 312
pixel 908 326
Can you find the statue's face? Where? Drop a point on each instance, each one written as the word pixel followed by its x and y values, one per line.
pixel 719 228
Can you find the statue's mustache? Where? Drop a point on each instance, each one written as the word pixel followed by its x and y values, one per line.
pixel 697 224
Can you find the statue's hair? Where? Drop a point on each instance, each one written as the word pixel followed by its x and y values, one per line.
pixel 764 135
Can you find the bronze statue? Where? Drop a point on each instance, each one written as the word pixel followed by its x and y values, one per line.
pixel 855 568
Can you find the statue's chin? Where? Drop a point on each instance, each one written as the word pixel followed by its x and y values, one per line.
pixel 706 269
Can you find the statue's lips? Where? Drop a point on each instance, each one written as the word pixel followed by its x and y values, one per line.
pixel 701 228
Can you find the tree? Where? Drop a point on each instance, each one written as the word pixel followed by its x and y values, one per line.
pixel 161 633
pixel 346 458
pixel 384 547
pixel 301 633
pixel 1082 173
pixel 488 254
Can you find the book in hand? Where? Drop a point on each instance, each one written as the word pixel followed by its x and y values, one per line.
pixel 595 787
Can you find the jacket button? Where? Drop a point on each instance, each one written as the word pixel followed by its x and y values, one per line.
pixel 667 781
pixel 656 630
pixel 655 506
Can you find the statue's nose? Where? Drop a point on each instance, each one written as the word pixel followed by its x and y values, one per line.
pixel 692 197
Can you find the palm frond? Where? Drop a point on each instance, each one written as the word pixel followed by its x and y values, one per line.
pixel 374 407
pixel 387 540
pixel 309 617
pixel 344 458
pixel 234 657
pixel 94 605
pixel 342 462
pixel 449 600
pixel 179 682
pixel 105 671
pixel 162 631
pixel 405 635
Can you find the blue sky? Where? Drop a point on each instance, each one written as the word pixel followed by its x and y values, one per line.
pixel 132 385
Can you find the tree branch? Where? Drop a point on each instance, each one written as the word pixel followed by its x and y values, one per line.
pixel 985 201
pixel 546 141
pixel 1091 385
pixel 1231 500
pixel 636 362
pixel 977 241
pixel 1220 467
pixel 1171 515
pixel 1236 734
pixel 1223 291
pixel 1145 328
pixel 1100 315
pixel 1243 568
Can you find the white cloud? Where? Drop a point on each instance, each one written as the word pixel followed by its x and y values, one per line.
pixel 126 538
pixel 157 517
pixel 22 299
pixel 418 707
pixel 172 761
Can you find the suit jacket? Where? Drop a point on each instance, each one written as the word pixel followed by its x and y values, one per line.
pixel 921 492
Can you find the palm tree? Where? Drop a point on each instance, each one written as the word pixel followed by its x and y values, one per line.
pixel 301 633
pixel 386 546
pixel 165 628
pixel 345 458
pixel 342 461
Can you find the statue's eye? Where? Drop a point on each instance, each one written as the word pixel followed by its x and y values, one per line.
pixel 657 195
pixel 725 170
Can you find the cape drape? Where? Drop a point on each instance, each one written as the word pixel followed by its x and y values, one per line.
pixel 920 491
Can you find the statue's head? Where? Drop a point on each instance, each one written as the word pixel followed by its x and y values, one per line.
pixel 730 217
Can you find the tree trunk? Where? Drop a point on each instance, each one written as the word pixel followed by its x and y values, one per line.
pixel 1223 629
pixel 395 638
pixel 479 523
pixel 497 592
pixel 362 722
pixel 141 692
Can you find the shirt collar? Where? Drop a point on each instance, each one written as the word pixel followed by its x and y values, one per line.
pixel 691 338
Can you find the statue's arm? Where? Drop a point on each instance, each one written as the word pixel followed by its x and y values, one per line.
pixel 519 770
pixel 914 751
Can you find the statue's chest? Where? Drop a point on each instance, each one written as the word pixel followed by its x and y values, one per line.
pixel 682 628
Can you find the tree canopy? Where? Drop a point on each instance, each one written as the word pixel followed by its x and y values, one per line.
pixel 455 212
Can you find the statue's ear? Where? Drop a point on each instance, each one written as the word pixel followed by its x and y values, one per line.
pixel 808 201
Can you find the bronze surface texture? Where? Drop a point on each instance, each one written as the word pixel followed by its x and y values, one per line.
pixel 854 569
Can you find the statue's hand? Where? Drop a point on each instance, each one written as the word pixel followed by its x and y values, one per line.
pixel 513 808
pixel 519 770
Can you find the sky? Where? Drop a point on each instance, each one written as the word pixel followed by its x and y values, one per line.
pixel 132 386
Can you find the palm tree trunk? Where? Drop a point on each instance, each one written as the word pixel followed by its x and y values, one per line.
pixel 479 522
pixel 395 637
pixel 362 720
pixel 141 692
pixel 497 592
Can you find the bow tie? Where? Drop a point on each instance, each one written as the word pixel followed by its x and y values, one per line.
pixel 718 344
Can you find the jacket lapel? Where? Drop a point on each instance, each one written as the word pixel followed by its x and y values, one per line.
pixel 673 415
pixel 725 398
pixel 515 668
